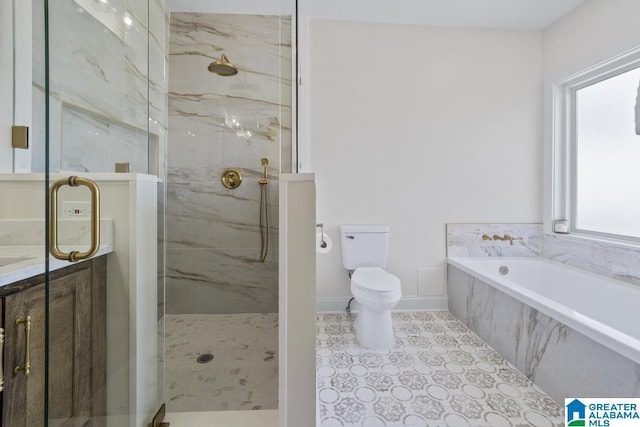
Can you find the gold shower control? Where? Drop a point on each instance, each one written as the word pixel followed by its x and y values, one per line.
pixel 231 178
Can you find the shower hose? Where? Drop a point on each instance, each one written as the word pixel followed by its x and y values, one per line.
pixel 264 222
pixel 264 210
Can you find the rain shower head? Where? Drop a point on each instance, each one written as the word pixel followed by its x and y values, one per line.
pixel 223 67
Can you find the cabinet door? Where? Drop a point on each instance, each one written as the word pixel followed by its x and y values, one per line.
pixel 24 394
pixel 69 354
pixel 70 349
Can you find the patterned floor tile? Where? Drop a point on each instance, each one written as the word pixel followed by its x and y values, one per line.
pixel 438 373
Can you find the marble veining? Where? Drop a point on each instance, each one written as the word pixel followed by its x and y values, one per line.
pixel 616 260
pixel 560 360
pixel 542 332
pixel 90 143
pixel 95 79
pixel 117 73
pixel 439 373
pixel 466 240
pixel 219 122
pixel 207 280
pixel 619 261
pixel 200 215
pixel 108 14
pixel 493 308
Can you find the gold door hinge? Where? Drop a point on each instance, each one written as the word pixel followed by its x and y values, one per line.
pixel 158 419
pixel 20 137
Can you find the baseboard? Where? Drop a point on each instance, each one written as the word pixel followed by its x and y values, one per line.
pixel 334 305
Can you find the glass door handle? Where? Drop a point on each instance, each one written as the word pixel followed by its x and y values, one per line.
pixel 74 256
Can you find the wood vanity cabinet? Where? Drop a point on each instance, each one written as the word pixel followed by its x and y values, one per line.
pixel 77 351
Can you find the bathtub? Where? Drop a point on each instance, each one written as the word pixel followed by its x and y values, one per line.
pixel 545 316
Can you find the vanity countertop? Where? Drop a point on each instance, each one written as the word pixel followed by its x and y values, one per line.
pixel 23 262
pixel 22 252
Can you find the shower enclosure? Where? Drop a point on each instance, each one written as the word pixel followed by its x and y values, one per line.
pixel 88 91
pixel 151 105
pixel 230 135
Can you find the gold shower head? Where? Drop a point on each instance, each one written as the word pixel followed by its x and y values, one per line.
pixel 223 67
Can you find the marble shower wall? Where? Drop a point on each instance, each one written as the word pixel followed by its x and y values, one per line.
pixel 108 88
pixel 213 238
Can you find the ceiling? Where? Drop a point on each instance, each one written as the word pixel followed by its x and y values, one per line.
pixel 508 14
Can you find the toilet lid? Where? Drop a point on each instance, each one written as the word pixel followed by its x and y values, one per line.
pixel 375 279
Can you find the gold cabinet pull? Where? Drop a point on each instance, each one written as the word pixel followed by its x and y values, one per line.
pixel 26 368
pixel 1 359
pixel 73 256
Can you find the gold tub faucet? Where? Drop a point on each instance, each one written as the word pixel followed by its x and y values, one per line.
pixel 508 237
pixel 511 238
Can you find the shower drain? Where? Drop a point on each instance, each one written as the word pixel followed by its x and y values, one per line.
pixel 205 358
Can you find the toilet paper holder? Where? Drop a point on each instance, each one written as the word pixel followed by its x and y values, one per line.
pixel 323 244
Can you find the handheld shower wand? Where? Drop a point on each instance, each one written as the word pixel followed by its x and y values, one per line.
pixel 265 164
pixel 264 211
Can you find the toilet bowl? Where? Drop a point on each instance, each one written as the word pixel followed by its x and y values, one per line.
pixel 364 254
pixel 377 292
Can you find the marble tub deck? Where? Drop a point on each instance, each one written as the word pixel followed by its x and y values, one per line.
pixel 244 372
pixel 438 373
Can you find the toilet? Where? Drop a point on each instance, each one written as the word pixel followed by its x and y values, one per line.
pixel 364 254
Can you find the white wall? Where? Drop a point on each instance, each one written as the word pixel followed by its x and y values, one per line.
pixel 415 127
pixel 15 90
pixel 6 85
pixel 297 303
pixel 596 30
pixel 22 85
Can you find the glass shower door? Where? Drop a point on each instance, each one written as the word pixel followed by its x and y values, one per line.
pixel 100 85
pixel 24 268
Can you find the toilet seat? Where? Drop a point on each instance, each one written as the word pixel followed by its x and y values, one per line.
pixel 375 279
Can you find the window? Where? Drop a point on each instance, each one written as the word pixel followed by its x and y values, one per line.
pixel 596 150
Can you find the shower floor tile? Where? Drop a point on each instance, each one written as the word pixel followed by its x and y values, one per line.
pixel 243 374
pixel 438 373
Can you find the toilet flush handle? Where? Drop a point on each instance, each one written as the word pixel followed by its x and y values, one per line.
pixel 350 237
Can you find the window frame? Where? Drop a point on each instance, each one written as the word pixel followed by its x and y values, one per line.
pixel 560 172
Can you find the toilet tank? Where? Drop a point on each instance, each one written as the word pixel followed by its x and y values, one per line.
pixel 364 245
